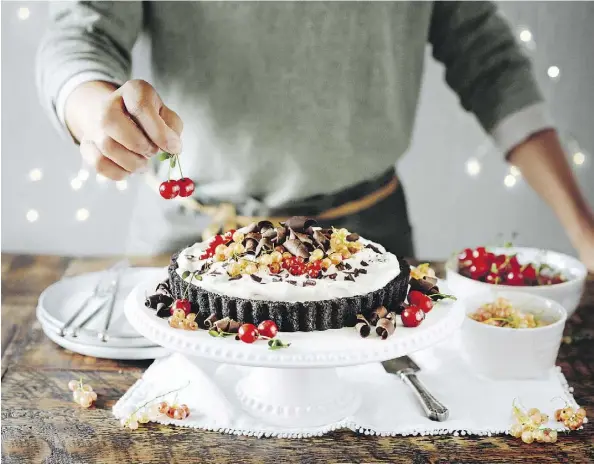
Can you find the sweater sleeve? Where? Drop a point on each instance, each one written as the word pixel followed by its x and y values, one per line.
pixel 488 70
pixel 85 40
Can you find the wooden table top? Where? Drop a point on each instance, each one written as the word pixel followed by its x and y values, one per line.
pixel 41 423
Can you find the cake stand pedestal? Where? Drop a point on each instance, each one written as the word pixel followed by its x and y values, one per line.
pixel 296 386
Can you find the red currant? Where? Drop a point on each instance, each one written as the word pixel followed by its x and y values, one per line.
pixel 421 300
pixel 268 329
pixel 274 268
pixel 315 264
pixel 478 268
pixel 492 278
pixel 412 316
pixel 186 187
pixel 529 272
pixel 169 189
pixel 182 304
pixel 466 255
pixel 515 278
pixel 286 263
pixel 480 252
pixel 248 333
pixel 296 269
pixel 313 273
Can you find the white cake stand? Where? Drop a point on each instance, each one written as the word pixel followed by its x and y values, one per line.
pixel 296 386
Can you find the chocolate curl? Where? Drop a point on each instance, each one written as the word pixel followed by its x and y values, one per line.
pixel 384 328
pixel 210 321
pixel 296 248
pixel 373 248
pixel 264 244
pixel 247 229
pixel 321 239
pixel 264 225
pixel 363 329
pixel 163 310
pixel 352 237
pixel 377 314
pixel 300 223
pixel 304 238
pixel 153 300
pixel 392 316
pixel 250 246
pixel 227 325
pixel 424 286
pixel 163 288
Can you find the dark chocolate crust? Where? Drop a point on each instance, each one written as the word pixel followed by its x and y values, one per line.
pixel 290 316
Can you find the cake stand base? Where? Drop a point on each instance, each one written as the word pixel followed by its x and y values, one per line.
pixel 296 397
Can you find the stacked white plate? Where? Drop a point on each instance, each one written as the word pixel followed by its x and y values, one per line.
pixel 61 300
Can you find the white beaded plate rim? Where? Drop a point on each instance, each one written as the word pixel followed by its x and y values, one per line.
pixel 329 348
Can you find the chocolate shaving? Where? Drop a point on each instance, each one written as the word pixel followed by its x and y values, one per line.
pixel 362 271
pixel 340 267
pixel 254 236
pixel 296 248
pixel 353 237
pixel 277 279
pixel 364 263
pixel 363 329
pixel 280 249
pixel 349 277
pixel 227 325
pixel 237 277
pixel 256 278
pixel 431 280
pixel 264 244
pixel 210 320
pixel 320 239
pixel 247 229
pixel 309 283
pixel 348 266
pixel 250 246
pixel 377 314
pixel 264 225
pixel 300 223
pixel 164 288
pixel 302 237
pixel 163 310
pixel 292 282
pixel 384 328
pixel 373 247
pixel 392 316
pixel 281 235
pixel 269 234
pixel 332 276
pixel 423 286
pixel 153 300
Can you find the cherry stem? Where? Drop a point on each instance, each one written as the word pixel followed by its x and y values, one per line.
pixel 179 166
pixel 169 172
pixel 188 287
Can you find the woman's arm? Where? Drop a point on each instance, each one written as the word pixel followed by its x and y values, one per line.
pixel 544 166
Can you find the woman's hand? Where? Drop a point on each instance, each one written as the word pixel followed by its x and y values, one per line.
pixel 120 129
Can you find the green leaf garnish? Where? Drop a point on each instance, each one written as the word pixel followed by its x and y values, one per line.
pixel 172 161
pixel 276 344
pixel 163 156
pixel 185 275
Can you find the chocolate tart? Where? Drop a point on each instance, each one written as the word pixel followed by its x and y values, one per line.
pixel 303 316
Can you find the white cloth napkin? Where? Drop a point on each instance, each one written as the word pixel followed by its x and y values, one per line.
pixel 477 406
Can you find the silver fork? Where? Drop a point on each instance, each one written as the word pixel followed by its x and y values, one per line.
pixel 103 289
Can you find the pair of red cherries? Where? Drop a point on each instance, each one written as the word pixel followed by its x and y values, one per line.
pixel 183 187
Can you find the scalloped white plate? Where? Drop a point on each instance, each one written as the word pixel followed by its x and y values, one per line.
pixel 329 348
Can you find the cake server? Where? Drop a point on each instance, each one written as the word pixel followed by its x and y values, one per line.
pixel 406 369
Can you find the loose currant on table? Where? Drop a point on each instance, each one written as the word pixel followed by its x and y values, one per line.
pixel 171 188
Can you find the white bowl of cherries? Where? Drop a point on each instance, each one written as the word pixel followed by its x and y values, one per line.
pixel 538 272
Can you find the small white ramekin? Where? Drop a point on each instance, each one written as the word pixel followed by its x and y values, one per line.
pixel 568 293
pixel 503 353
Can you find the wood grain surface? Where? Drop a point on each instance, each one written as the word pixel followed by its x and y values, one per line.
pixel 41 423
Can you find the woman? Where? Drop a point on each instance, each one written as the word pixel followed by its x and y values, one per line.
pixel 291 108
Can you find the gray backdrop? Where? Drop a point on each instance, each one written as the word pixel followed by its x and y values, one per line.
pixel 449 208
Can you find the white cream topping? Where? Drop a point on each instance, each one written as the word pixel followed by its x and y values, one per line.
pixel 381 268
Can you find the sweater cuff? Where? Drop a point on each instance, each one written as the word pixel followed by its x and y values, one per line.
pixel 72 84
pixel 519 126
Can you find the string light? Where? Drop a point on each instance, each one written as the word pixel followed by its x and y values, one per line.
pixel 473 167
pixel 32 215
pixel 554 72
pixel 76 183
pixel 83 174
pixel 509 181
pixel 82 214
pixel 23 13
pixel 579 158
pixel 525 35
pixel 100 179
pixel 514 171
pixel 122 185
pixel 35 175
